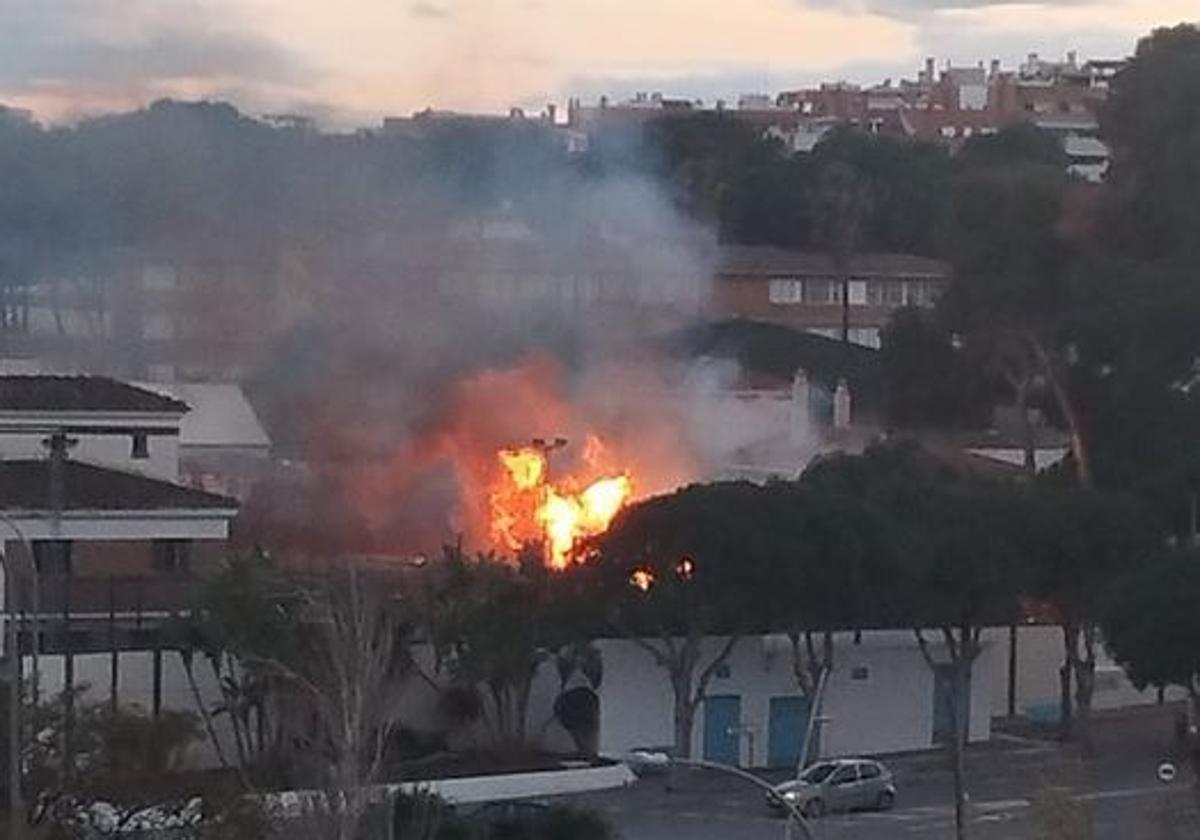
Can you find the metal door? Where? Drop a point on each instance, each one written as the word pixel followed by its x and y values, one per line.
pixel 722 728
pixel 943 693
pixel 787 726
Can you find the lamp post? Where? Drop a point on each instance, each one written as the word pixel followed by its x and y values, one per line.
pixel 794 813
pixel 12 645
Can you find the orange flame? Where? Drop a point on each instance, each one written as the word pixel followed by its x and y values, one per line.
pixel 527 508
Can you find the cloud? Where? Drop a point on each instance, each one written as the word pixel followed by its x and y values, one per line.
pixel 113 50
pixel 909 9
pixel 427 10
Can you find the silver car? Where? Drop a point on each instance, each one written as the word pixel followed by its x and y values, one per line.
pixel 844 784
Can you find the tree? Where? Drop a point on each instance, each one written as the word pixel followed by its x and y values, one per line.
pixel 951 568
pixel 909 185
pixel 1152 628
pixel 242 618
pixel 493 625
pixel 927 381
pixel 826 548
pixel 354 647
pixel 1152 122
pixel 678 570
pixel 1019 143
pixel 1014 295
pixel 842 202
pixel 1076 544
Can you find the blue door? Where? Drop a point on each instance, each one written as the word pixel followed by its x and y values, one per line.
pixel 787 726
pixel 943 694
pixel 722 736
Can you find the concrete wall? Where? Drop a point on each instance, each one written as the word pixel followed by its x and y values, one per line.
pixel 879 698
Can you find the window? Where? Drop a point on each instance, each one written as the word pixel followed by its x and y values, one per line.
pixel 845 774
pixel 857 290
pixel 723 671
pixel 52 557
pixel 885 293
pixel 822 291
pixel 170 556
pixel 785 291
pixel 140 447
pixel 860 673
pixel 921 292
pixel 869 771
pixel 817 773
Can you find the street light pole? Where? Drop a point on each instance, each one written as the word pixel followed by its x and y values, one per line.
pixel 794 812
pixel 16 807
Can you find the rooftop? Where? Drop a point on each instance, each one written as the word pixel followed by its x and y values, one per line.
pixel 81 393
pixel 766 259
pixel 221 416
pixel 25 485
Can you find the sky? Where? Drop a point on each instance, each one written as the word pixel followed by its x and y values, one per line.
pixel 352 62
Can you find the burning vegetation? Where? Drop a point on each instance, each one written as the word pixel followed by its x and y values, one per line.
pixel 528 506
pixel 531 454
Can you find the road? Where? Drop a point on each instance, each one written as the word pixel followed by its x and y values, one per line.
pixel 1013 787
pixel 1122 813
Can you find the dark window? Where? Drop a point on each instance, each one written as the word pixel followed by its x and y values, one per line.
pixel 170 556
pixel 860 672
pixel 722 671
pixel 844 775
pixel 869 771
pixel 141 445
pixel 52 557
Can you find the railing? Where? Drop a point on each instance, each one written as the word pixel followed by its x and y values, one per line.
pixel 125 596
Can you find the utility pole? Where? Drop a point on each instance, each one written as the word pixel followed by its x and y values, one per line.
pixel 16 805
pixel 60 446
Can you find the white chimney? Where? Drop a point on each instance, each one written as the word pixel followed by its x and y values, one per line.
pixel 841 405
pixel 798 433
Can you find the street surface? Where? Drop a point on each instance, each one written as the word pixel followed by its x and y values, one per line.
pixel 1118 790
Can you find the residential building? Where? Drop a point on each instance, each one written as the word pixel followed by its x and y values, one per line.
pixel 803 290
pixel 223 447
pixel 947 106
pixel 101 542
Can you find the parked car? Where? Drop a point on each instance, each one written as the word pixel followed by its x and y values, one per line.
pixel 845 784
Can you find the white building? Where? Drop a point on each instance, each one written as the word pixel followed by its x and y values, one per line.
pixel 88 484
pixel 882 697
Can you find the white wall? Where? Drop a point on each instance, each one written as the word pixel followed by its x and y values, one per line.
pixel 1039 656
pixel 103 450
pixel 135 686
pixel 890 711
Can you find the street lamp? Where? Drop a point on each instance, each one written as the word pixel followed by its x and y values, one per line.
pixel 794 813
pixel 16 804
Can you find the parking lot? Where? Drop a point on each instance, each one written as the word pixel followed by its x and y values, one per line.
pixel 1010 782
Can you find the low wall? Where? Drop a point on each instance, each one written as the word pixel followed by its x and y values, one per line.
pixel 479 789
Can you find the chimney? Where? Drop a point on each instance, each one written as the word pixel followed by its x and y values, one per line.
pixel 800 428
pixel 59 446
pixel 995 68
pixel 841 405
